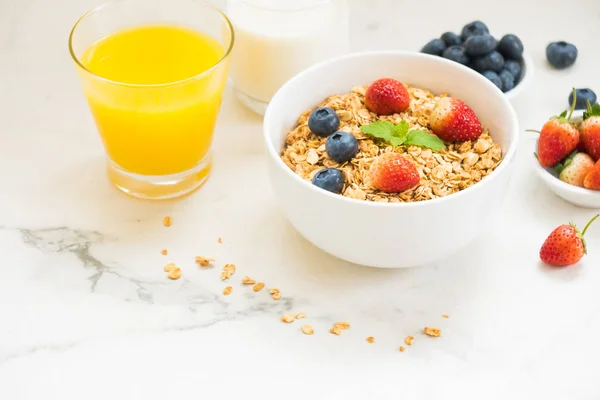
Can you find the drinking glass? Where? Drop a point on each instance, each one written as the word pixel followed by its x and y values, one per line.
pixel 276 39
pixel 157 134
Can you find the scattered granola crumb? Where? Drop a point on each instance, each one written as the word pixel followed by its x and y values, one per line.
pixel 246 280
pixel 204 261
pixel 435 332
pixel 409 340
pixel 401 349
pixel 307 329
pixel 336 330
pixel 227 290
pixel 163 252
pixel 220 240
pixel 229 267
pixel 174 274
pixel 167 221
pixel 342 325
pixel 371 339
pixel 287 318
pixel 169 267
pixel 275 294
pixel 258 287
pixel 300 315
pixel 444 315
pixel 226 275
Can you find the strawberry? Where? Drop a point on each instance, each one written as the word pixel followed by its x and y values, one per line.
pixel 454 121
pixel 565 245
pixel 592 179
pixel 387 96
pixel 575 168
pixel 590 131
pixel 558 138
pixel 393 173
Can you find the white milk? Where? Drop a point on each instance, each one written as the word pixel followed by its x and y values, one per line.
pixel 275 39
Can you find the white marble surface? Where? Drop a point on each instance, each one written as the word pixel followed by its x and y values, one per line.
pixel 87 313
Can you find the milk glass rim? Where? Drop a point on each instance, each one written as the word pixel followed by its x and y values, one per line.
pixel 318 3
pixel 200 75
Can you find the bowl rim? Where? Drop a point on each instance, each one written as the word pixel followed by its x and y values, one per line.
pixel 275 154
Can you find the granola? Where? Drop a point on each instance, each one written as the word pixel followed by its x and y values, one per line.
pixel 444 172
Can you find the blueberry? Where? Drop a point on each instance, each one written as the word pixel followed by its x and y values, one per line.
pixel 583 96
pixel 480 45
pixel 330 179
pixel 451 39
pixel 492 76
pixel 510 46
pixel 456 53
pixel 490 62
pixel 561 54
pixel 514 67
pixel 473 29
pixel 435 47
pixel 341 146
pixel 323 121
pixel 508 80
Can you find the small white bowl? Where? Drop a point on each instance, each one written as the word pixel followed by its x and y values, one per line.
pixel 396 234
pixel 576 195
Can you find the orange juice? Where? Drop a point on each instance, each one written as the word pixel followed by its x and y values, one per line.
pixel 157 101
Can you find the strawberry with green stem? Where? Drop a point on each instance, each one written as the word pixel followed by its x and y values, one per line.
pixel 558 138
pixel 565 245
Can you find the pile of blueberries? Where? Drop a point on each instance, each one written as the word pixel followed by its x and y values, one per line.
pixel 340 146
pixel 497 60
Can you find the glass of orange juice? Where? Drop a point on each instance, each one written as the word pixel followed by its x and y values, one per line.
pixel 153 73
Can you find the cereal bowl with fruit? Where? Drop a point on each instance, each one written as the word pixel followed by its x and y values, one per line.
pixel 390 159
pixel 567 155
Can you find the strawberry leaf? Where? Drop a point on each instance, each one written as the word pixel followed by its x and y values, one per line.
pixel 424 139
pixel 592 111
pixel 565 163
pixel 562 117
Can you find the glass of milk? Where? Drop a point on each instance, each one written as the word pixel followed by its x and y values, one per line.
pixel 276 39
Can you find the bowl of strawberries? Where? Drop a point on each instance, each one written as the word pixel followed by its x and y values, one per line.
pixel 390 159
pixel 568 156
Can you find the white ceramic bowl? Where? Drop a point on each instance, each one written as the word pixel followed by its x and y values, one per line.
pixel 578 196
pixel 379 234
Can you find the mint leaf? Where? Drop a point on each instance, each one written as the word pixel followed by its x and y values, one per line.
pixel 592 111
pixel 399 134
pixel 385 130
pixel 424 139
pixel 401 129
